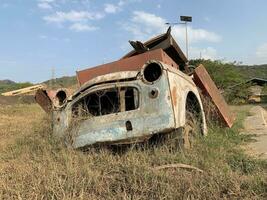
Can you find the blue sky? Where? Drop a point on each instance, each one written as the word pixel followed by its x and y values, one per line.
pixel 69 35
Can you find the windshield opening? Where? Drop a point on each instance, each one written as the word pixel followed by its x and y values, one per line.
pixel 107 101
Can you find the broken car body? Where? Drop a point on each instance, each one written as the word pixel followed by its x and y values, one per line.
pixel 128 106
pixel 146 92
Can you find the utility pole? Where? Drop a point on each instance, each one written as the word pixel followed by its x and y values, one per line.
pixel 185 20
pixel 51 82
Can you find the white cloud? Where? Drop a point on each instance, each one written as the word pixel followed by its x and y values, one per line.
pixel 124 2
pixel 121 3
pixel 72 16
pixel 79 27
pixel 47 1
pixel 144 25
pixel 158 6
pixel 204 53
pixel 45 4
pixel 111 8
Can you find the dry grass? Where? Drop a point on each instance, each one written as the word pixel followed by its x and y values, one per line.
pixel 33 165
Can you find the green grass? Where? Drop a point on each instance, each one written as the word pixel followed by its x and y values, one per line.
pixel 36 166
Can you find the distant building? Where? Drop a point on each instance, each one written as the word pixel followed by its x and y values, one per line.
pixel 256 88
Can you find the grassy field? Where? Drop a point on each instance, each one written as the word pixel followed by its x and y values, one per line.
pixel 33 165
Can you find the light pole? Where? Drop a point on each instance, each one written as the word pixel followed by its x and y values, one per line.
pixel 185 20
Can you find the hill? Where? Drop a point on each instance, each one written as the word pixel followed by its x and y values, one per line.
pixel 7 82
pixel 259 71
pixel 63 82
pixel 8 85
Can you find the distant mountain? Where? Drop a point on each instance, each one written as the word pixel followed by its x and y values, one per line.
pixel 7 82
pixel 8 85
pixel 63 82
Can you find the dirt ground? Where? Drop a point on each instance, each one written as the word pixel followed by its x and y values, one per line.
pixel 256 124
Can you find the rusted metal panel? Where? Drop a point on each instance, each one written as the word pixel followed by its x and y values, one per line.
pixel 133 63
pixel 208 87
pixel 180 86
pixel 42 98
pixel 165 42
pixel 50 99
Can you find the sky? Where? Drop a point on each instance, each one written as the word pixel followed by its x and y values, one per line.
pixel 41 36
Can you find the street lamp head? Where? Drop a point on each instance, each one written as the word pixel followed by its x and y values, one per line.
pixel 186 18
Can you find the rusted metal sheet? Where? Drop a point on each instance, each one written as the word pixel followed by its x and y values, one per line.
pixel 165 42
pixel 203 80
pixel 50 99
pixel 133 63
pixel 42 98
pixel 59 96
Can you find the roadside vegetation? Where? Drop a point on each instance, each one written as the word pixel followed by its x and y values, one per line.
pixel 33 165
pixel 224 75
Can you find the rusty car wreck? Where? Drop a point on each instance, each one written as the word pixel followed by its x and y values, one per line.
pixel 149 91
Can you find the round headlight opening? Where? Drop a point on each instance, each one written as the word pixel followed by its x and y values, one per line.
pixel 152 72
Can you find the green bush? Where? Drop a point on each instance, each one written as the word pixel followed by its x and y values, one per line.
pixel 238 94
pixel 224 75
pixel 5 87
pixel 229 78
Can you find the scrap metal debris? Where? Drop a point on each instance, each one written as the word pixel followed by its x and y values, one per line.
pixel 209 89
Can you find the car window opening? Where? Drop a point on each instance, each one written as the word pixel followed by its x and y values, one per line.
pixel 108 101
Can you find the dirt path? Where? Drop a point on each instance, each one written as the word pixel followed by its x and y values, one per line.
pixel 256 124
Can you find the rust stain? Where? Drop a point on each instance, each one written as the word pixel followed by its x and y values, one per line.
pixel 174 96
